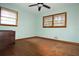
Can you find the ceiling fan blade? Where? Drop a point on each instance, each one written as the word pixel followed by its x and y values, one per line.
pixel 39 8
pixel 33 5
pixel 46 6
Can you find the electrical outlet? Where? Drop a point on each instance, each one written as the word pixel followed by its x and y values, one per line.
pixel 56 37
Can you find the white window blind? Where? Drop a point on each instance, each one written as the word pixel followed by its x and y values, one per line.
pixel 8 17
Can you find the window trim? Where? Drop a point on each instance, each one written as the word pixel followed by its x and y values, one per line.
pixel 12 11
pixel 65 21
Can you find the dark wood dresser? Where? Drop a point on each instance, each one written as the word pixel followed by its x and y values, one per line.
pixel 7 38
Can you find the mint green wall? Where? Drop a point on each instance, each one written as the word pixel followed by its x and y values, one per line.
pixel 26 21
pixel 71 32
pixel 31 24
pixel 77 24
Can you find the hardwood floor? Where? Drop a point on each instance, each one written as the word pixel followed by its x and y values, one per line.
pixel 40 47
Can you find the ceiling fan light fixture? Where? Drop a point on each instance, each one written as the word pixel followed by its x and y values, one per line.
pixel 39 5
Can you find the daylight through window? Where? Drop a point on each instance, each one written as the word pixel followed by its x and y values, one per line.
pixel 8 17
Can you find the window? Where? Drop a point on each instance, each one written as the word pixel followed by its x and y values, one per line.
pixel 47 21
pixel 55 21
pixel 8 17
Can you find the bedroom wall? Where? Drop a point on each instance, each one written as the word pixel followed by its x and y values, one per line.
pixel 71 32
pixel 26 21
pixel 31 24
pixel 78 25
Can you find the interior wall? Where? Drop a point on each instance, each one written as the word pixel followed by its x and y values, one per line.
pixel 26 21
pixel 70 33
pixel 30 24
pixel 77 25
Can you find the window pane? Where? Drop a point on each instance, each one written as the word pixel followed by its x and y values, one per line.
pixel 7 13
pixel 8 16
pixel 8 21
pixel 59 20
pixel 48 21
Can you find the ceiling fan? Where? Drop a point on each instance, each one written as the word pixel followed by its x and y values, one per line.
pixel 40 5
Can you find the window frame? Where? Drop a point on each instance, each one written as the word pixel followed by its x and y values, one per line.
pixel 6 17
pixel 65 21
